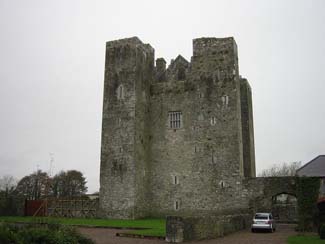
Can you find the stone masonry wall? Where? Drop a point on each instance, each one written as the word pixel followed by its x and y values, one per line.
pixel 180 229
pixel 260 191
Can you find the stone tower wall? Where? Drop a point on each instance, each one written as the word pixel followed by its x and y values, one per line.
pixel 247 128
pixel 124 154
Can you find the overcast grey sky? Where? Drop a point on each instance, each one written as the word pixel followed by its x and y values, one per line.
pixel 52 68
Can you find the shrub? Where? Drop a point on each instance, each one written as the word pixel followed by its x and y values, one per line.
pixel 36 236
pixel 8 236
pixel 322 232
pixel 69 235
pixel 44 234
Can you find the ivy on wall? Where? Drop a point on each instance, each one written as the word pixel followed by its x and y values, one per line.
pixel 307 195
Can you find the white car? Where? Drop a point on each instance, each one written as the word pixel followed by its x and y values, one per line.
pixel 263 221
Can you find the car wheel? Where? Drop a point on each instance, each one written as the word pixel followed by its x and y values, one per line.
pixel 253 230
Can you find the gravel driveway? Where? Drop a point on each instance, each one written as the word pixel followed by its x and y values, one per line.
pixel 107 236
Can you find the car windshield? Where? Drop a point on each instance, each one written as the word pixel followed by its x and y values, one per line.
pixel 260 216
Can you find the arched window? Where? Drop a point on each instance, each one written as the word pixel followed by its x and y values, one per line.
pixel 213 120
pixel 225 100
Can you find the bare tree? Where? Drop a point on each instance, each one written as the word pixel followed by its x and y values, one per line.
pixel 7 184
pixel 284 169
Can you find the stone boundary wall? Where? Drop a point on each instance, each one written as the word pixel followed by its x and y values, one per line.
pixel 180 229
pixel 261 190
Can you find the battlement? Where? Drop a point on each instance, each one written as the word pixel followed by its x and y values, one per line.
pixel 208 45
pixel 132 42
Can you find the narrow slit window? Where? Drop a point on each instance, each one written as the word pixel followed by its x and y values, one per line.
pixel 213 120
pixel 175 120
pixel 176 205
pixel 120 92
pixel 176 180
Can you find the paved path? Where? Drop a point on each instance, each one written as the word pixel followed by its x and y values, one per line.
pixel 107 236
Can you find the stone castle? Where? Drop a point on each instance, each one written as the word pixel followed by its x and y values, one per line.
pixel 176 140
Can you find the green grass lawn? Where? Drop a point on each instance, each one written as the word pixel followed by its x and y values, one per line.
pixel 307 239
pixel 152 227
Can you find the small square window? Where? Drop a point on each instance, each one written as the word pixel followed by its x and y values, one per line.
pixel 175 120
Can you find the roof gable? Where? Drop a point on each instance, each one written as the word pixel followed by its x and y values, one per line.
pixel 177 69
pixel 315 167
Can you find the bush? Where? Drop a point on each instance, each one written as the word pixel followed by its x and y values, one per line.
pixel 69 235
pixel 322 232
pixel 35 236
pixel 8 236
pixel 41 235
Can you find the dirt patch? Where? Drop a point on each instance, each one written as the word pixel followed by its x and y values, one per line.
pixel 108 236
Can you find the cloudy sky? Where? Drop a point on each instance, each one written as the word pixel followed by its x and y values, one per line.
pixel 52 68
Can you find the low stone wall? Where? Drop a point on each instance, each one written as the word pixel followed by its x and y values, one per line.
pixel 180 229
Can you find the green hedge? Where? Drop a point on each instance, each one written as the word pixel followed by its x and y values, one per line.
pixel 307 195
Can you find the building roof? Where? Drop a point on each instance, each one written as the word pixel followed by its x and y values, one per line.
pixel 315 167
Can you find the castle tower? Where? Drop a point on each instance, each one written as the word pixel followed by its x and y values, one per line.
pixel 247 128
pixel 129 70
pixel 197 149
pixel 176 140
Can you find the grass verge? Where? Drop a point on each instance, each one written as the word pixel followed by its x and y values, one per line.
pixel 149 227
pixel 305 239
